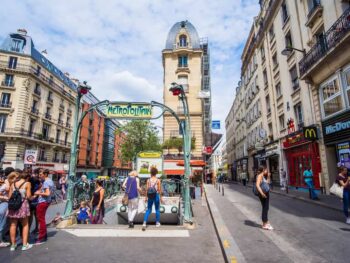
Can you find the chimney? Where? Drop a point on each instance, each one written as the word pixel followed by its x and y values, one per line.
pixel 22 31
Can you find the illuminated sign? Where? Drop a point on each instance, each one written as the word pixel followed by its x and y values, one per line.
pixel 129 110
pixel 310 133
pixel 339 126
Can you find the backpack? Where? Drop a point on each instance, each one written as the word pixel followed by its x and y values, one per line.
pixel 15 201
pixel 152 191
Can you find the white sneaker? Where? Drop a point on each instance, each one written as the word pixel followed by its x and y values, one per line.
pixel 4 244
pixel 27 247
pixel 267 227
pixel 348 221
pixel 144 226
pixel 157 224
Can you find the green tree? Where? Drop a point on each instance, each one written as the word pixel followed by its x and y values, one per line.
pixel 177 143
pixel 140 136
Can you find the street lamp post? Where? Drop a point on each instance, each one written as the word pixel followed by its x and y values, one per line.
pixel 178 90
pixel 82 90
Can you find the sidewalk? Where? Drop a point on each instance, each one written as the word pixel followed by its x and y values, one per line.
pixel 328 201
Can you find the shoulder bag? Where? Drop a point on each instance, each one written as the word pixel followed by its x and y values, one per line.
pixel 125 199
pixel 337 190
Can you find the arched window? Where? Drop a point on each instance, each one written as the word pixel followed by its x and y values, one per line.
pixel 183 41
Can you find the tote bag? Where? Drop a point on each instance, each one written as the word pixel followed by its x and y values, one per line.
pixel 337 190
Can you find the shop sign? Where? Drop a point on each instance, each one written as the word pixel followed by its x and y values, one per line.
pixel 127 110
pixel 339 126
pixel 30 156
pixel 150 154
pixel 310 133
pixel 293 140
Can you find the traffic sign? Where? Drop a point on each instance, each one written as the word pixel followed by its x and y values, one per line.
pixel 215 125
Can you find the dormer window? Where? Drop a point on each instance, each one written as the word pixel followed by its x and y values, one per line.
pixel 183 41
pixel 17 45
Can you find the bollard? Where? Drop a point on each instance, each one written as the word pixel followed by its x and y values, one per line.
pixel 223 191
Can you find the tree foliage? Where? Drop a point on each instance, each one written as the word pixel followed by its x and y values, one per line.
pixel 177 143
pixel 140 136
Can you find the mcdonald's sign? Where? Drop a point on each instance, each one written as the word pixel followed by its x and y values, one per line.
pixel 310 133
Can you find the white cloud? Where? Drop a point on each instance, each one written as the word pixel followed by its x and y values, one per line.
pixel 116 45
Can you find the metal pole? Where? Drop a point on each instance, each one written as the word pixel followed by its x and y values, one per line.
pixel 73 160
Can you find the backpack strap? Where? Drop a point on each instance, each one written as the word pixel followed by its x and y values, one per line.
pixel 14 185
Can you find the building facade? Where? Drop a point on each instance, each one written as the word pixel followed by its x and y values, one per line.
pixel 291 71
pixel 37 105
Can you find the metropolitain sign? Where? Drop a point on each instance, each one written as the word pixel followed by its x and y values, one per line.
pixel 125 110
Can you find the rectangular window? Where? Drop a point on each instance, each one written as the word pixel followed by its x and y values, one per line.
pixel 268 107
pixel 46 131
pixel 288 40
pixel 183 80
pixel 312 4
pixel 3 118
pixel 270 129
pixel 294 78
pixel 281 120
pixel 16 45
pixel 262 53
pixel 37 89
pixel 347 81
pixel 274 60
pixel 13 62
pixel 58 135
pixel 284 12
pixel 51 80
pixel 42 155
pixel 271 33
pixel 38 70
pixel 183 62
pixel 5 100
pixel 278 90
pixel 55 158
pixel 49 97
pixel 9 80
pixel 265 77
pixel 331 97
pixel 31 127
pixel 299 115
pixel 65 138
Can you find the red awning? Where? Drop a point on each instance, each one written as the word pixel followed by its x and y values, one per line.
pixel 174 172
pixel 193 163
pixel 59 172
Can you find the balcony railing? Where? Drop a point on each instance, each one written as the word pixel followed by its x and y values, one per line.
pixel 55 160
pixel 30 69
pixel 60 122
pixel 42 159
pixel 69 111
pixel 313 9
pixel 37 92
pixel 331 38
pixel 64 161
pixel 61 107
pixel 5 105
pixel 68 125
pixel 48 116
pixel 35 111
pixel 7 83
pixel 50 100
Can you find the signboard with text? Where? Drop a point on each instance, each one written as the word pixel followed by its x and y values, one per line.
pixel 146 161
pixel 125 110
pixel 215 125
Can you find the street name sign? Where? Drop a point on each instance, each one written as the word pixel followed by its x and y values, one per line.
pixel 125 110
pixel 215 125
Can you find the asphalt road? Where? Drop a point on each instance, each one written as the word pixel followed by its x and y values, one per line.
pixel 303 232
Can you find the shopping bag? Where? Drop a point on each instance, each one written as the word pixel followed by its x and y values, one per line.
pixel 337 190
pixel 141 206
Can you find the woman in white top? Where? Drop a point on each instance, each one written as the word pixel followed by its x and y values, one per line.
pixel 22 214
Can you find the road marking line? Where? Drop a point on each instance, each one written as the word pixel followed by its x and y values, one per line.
pixel 226 243
pixel 233 260
pixel 127 233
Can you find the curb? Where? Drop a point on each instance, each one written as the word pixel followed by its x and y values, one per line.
pixel 224 241
pixel 299 198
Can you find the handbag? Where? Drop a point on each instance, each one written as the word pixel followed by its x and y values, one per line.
pixel 337 190
pixel 125 200
pixel 141 206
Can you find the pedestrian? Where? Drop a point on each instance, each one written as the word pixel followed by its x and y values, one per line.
pixel 308 179
pixel 132 189
pixel 84 213
pixel 283 179
pixel 35 185
pixel 44 195
pixel 62 182
pixel 244 178
pixel 263 187
pixel 19 188
pixel 97 204
pixel 153 190
pixel 344 181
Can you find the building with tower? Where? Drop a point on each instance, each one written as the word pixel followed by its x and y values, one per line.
pixel 186 62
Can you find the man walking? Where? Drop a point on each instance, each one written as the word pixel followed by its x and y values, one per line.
pixel 308 178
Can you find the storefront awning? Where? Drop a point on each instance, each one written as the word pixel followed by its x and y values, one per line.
pixel 193 163
pixel 174 172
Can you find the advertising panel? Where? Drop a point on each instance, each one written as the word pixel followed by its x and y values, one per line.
pixel 147 160
pixel 30 156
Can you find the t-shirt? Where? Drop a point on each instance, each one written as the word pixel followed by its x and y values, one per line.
pixel 307 175
pixel 344 179
pixel 47 184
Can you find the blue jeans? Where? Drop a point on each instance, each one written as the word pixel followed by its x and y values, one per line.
pixel 3 219
pixel 346 201
pixel 311 188
pixel 150 202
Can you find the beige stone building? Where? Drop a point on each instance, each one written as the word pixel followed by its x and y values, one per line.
pixel 186 62
pixel 37 106
pixel 289 56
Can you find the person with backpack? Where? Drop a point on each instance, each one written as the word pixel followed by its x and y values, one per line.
pixel 18 210
pixel 132 189
pixel 153 190
pixel 44 195
pixel 263 187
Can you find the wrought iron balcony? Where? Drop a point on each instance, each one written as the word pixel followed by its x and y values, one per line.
pixel 55 160
pixel 37 92
pixel 48 116
pixel 332 37
pixel 35 111
pixel 5 105
pixel 7 83
pixel 64 161
pixel 61 107
pixel 50 100
pixel 60 122
pixel 42 159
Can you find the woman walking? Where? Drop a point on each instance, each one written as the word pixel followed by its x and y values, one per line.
pixel 22 214
pixel 97 204
pixel 153 191
pixel 262 185
pixel 344 181
pixel 132 189
pixel 62 183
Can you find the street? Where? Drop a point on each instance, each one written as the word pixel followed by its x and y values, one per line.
pixel 302 232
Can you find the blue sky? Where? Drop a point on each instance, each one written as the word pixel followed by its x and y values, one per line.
pixel 116 45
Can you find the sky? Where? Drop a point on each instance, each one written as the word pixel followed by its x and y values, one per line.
pixel 116 45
